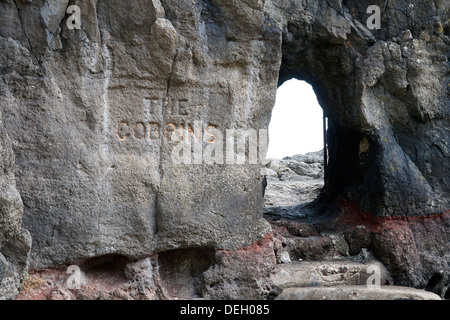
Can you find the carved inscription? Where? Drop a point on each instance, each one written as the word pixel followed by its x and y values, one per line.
pixel 153 131
pixel 162 106
pixel 153 128
pixel 194 142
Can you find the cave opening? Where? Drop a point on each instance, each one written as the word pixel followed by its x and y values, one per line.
pixel 297 154
pixel 296 122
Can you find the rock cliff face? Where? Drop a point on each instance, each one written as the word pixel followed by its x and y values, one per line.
pixel 99 112
pixel 122 130
pixel 15 242
pixel 385 93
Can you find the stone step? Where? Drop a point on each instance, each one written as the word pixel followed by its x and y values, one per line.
pixel 361 292
pixel 329 273
pixel 299 241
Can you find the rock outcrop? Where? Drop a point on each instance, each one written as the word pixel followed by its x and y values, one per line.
pixel 15 242
pixel 127 125
pixel 94 114
pixel 385 93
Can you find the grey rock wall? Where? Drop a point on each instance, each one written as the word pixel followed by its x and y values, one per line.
pixel 94 116
pixel 93 113
pixel 15 242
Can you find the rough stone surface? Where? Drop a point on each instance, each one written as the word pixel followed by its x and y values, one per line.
pixel 357 293
pixel 94 175
pixel 242 274
pixel 14 263
pixel 11 208
pixel 94 116
pixel 15 242
pixel 292 183
pixel 194 273
pixel 385 93
pixel 327 273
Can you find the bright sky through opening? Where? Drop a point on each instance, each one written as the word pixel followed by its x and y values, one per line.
pixel 296 126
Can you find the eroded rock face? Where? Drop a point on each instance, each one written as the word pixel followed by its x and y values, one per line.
pixel 385 94
pixel 15 242
pixel 95 114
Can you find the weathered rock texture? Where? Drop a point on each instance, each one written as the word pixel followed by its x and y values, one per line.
pixel 385 93
pixel 94 114
pixel 15 242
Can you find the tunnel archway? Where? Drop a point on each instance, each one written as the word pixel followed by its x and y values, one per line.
pixel 351 172
pixel 297 156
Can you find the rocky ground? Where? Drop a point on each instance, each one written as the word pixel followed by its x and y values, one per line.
pixel 293 182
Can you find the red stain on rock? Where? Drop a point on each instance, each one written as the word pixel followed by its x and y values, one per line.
pixel 256 247
pixel 256 258
pixel 250 265
pixel 403 243
pixel 259 253
pixel 352 216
